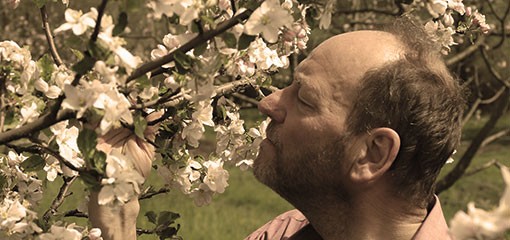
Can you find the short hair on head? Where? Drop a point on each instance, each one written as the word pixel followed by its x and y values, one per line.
pixel 418 98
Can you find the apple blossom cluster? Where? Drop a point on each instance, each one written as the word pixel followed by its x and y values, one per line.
pixel 481 224
pixel 21 191
pixel 83 23
pixel 442 26
pixel 248 52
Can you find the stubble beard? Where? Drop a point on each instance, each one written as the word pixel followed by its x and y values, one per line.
pixel 301 174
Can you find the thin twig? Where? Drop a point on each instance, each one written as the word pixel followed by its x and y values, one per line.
pixel 177 98
pixel 493 71
pixel 206 36
pixel 140 231
pixel 367 10
pixel 494 97
pixel 100 13
pixel 495 137
pixel 49 36
pixel 502 23
pixel 152 194
pixel 466 52
pixel 484 166
pixel 75 213
pixel 62 194
pixel 246 99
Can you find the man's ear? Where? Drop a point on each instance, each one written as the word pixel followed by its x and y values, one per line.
pixel 382 145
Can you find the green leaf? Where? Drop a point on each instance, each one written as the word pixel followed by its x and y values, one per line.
pixel 45 63
pixel 168 232
pixel 229 39
pixel 182 59
pixel 134 5
pixel 166 218
pixel 200 49
pixel 40 3
pixel 78 54
pixel 90 179
pixel 87 141
pixel 97 51
pixel 100 161
pixel 33 163
pixel 140 125
pixel 244 41
pixel 3 181
pixel 121 25
pixel 85 65
pixel 151 216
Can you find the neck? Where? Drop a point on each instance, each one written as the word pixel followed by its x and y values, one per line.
pixel 367 216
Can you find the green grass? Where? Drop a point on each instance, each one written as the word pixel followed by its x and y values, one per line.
pixel 247 204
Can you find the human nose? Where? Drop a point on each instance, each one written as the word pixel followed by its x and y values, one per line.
pixel 271 106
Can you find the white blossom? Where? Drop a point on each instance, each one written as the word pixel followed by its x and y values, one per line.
pixel 481 224
pixel 216 177
pixel 62 233
pixel 29 113
pixel 123 181
pixel 267 20
pixel 437 7
pixel 77 21
pixel 66 139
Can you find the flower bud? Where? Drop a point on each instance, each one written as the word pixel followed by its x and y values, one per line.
pixel 448 20
pixel 95 234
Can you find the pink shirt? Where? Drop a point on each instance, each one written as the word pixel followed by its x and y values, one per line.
pixel 289 223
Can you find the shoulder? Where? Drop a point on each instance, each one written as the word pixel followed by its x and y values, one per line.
pixel 281 227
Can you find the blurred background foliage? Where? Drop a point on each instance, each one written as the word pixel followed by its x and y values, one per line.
pixel 482 64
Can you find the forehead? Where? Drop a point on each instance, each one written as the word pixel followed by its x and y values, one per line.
pixel 335 68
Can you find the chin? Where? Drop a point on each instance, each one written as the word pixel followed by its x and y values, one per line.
pixel 264 166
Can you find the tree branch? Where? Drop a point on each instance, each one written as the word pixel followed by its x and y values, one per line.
pixel 367 10
pixel 62 194
pixel 100 13
pixel 140 231
pixel 493 71
pixel 75 213
pixel 466 52
pixel 495 137
pixel 246 99
pixel 176 98
pixel 41 123
pixel 49 37
pixel 151 194
pixel 38 148
pixel 502 23
pixel 484 166
pixel 459 169
pixel 222 27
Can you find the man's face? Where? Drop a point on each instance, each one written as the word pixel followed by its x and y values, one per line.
pixel 308 150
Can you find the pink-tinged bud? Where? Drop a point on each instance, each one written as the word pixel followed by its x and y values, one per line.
pixel 302 33
pixel 469 11
pixel 296 27
pixel 289 35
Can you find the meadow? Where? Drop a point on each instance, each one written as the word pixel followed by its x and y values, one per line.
pixel 247 204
